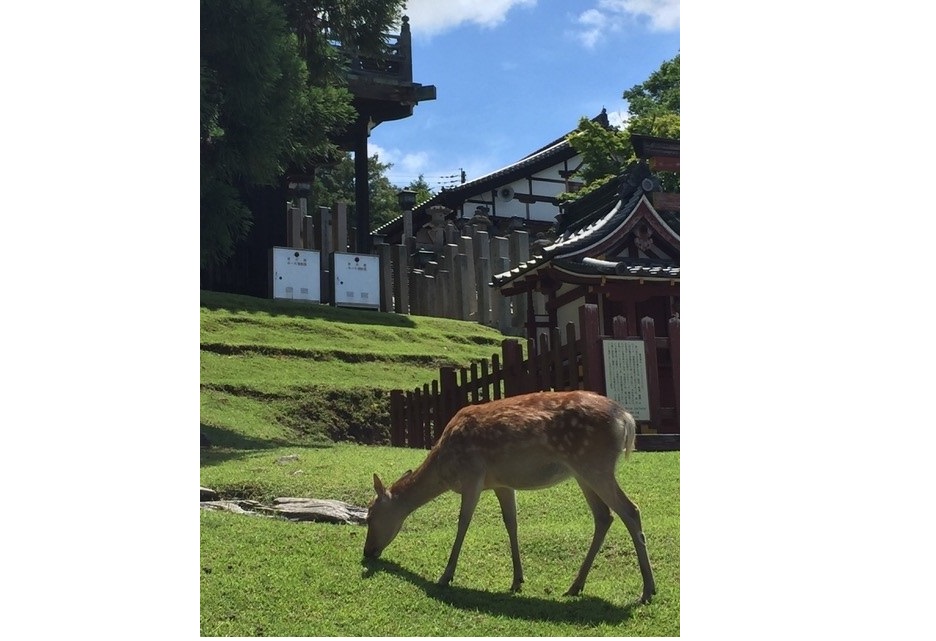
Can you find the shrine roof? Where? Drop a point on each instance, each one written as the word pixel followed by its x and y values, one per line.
pixel 570 251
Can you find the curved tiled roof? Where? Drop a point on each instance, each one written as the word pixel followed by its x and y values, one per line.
pixel 567 253
pixel 628 267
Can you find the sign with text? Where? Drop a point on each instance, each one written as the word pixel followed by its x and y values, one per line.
pixel 356 280
pixel 625 367
pixel 295 274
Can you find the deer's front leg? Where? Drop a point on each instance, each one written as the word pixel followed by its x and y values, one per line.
pixel 470 494
pixel 508 503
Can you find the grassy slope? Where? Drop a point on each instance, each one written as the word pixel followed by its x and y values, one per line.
pixel 270 577
pixel 276 373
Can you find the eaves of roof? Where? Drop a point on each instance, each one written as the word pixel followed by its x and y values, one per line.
pixel 571 247
pixel 556 151
pixel 628 268
pixel 456 195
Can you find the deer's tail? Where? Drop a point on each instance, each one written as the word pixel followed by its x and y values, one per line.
pixel 629 428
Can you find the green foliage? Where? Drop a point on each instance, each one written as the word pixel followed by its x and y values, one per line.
pixel 265 576
pixel 653 109
pixel 422 189
pixel 336 183
pixel 658 94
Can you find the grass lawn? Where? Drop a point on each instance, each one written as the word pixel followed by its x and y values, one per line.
pixel 264 576
pixel 281 379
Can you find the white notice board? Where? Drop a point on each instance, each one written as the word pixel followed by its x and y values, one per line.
pixel 357 280
pixel 296 274
pixel 625 366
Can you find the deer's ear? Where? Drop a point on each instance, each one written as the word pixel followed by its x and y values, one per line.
pixel 379 487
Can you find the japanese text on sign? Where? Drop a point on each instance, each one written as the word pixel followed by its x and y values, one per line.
pixel 625 368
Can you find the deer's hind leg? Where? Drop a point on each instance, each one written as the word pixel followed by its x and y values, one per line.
pixel 605 485
pixel 602 522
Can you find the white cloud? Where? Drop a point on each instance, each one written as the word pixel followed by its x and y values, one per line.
pixel 432 17
pixel 612 16
pixel 406 166
pixel 618 118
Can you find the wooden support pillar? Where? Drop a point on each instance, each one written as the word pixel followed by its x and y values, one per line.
pixel 361 189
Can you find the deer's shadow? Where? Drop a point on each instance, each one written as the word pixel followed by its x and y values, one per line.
pixel 580 609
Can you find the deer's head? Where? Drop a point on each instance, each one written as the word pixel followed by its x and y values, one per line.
pixel 384 520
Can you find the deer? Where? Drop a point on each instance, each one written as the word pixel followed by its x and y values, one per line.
pixel 527 442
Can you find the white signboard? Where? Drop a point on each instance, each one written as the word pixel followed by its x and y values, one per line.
pixel 357 280
pixel 625 368
pixel 296 274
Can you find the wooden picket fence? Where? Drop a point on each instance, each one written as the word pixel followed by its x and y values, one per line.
pixel 419 416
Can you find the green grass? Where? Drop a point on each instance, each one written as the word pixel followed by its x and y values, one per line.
pixel 276 365
pixel 282 379
pixel 262 576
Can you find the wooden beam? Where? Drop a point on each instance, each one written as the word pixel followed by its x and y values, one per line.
pixel 664 163
pixel 665 201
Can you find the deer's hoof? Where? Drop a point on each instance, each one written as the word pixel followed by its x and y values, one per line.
pixel 516 585
pixel 444 580
pixel 573 591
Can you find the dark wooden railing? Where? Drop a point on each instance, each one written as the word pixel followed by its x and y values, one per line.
pixel 419 416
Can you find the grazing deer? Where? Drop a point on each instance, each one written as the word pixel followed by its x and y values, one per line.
pixel 520 443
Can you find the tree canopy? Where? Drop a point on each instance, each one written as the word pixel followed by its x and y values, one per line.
pixel 653 110
pixel 273 97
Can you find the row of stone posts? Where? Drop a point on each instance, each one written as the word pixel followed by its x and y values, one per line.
pixel 451 282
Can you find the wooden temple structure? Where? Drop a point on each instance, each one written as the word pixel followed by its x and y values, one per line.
pixel 617 246
pixel 383 91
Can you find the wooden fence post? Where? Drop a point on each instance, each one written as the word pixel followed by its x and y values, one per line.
pixel 497 374
pixel 397 418
pixel 674 359
pixel 428 399
pixel 411 432
pixel 648 334
pixel 448 392
pixel 513 364
pixel 592 356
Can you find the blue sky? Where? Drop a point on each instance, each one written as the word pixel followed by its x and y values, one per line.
pixel 512 75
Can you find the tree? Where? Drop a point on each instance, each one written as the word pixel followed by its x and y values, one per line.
pixel 422 189
pixel 653 110
pixel 273 97
pixel 336 183
pixel 658 94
